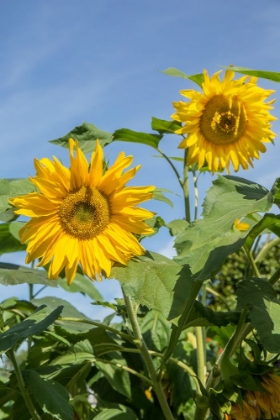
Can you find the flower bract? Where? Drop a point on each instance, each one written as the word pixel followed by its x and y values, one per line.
pixel 228 122
pixel 83 215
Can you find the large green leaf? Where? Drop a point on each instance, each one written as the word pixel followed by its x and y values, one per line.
pixel 165 127
pixel 12 274
pixel 157 282
pixel 197 78
pixel 69 311
pixel 79 353
pixel 117 377
pixel 264 310
pixel 36 323
pixel 264 74
pixel 276 192
pixel 8 242
pixel 206 243
pixel 83 285
pixel 203 316
pixel 124 134
pixel 11 188
pixel 86 134
pixel 50 395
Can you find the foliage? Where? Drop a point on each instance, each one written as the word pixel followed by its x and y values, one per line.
pixel 191 334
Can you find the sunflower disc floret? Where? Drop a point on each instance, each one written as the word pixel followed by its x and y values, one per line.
pixel 82 215
pixel 227 122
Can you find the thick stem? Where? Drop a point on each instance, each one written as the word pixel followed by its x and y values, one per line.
pixel 252 262
pixel 265 249
pixel 186 188
pixel 147 359
pixel 195 179
pixel 200 355
pixel 24 392
pixel 275 277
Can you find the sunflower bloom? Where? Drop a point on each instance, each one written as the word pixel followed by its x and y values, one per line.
pixel 258 405
pixel 226 123
pixel 82 215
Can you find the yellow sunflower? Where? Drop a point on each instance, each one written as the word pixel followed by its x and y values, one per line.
pixel 227 122
pixel 82 215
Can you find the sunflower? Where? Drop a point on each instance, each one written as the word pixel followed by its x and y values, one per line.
pixel 82 215
pixel 228 122
pixel 258 405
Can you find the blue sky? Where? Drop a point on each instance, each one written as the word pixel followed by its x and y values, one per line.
pixel 63 62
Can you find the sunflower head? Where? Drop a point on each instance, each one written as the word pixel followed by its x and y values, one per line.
pixel 83 215
pixel 227 122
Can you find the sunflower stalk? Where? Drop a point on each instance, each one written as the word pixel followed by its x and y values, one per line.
pixel 147 358
pixel 24 392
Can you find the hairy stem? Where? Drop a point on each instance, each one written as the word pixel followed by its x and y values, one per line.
pixel 147 359
pixel 24 392
pixel 186 188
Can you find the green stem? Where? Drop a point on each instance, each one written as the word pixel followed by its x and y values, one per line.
pixel 24 392
pixel 147 359
pixel 177 329
pixel 200 355
pixel 275 277
pixel 252 262
pixel 98 324
pixel 173 167
pixel 186 188
pixel 233 344
pixel 195 180
pixel 127 369
pixel 265 249
pixel 215 293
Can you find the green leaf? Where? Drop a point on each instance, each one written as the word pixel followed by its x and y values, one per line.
pixel 124 134
pixel 176 226
pixel 8 242
pixel 269 221
pixel 197 78
pixel 117 377
pixel 156 331
pixel 83 285
pixel 203 316
pixel 264 74
pixel 12 188
pixel 206 243
pixel 101 342
pixel 264 310
pixel 34 324
pixel 50 395
pixel 81 352
pixel 155 222
pixel 165 127
pixel 158 195
pixel 155 281
pixel 276 192
pixel 12 274
pixel 86 134
pixel 69 311
pixel 113 413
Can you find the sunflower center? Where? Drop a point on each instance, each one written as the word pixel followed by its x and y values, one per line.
pixel 84 213
pixel 224 120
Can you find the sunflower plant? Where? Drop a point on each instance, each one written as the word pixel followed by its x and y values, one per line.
pixel 193 337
